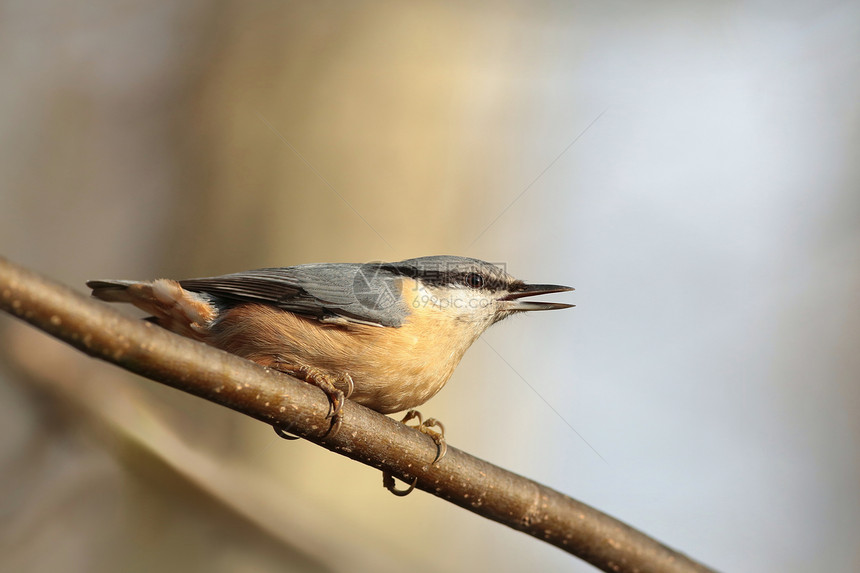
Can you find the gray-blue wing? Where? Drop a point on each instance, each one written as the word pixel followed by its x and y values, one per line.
pixel 359 293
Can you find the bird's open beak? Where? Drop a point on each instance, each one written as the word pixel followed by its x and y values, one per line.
pixel 513 303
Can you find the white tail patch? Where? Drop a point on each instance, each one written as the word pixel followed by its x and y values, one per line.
pixel 166 291
pixel 197 311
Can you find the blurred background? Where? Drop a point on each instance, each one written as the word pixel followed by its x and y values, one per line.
pixel 690 167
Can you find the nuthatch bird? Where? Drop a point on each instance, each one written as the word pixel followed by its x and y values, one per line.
pixel 386 335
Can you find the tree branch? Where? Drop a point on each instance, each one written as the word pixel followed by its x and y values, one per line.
pixel 365 436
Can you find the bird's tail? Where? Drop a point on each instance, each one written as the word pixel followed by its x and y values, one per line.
pixel 182 311
pixel 112 291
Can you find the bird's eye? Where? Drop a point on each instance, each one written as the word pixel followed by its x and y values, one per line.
pixel 474 280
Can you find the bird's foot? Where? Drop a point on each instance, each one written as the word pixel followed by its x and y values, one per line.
pixel 336 396
pixel 425 427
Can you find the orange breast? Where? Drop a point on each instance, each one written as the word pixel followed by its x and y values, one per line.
pixel 393 368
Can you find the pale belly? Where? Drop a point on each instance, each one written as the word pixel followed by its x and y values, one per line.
pixel 392 369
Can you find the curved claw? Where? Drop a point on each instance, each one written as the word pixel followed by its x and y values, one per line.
pixel 335 412
pixel 282 433
pixel 389 484
pixel 335 404
pixel 335 425
pixel 439 438
pixel 350 385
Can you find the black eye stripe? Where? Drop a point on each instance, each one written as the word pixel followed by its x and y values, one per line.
pixel 454 279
